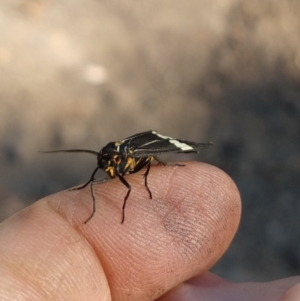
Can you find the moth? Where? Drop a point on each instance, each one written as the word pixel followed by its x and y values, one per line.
pixel 130 155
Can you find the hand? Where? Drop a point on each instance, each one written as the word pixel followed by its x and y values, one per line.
pixel 48 253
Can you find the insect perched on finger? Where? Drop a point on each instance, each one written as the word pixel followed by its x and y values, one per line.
pixel 129 156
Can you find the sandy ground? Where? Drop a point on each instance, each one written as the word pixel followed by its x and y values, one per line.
pixel 78 74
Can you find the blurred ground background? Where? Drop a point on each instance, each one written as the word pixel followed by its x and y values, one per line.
pixel 78 74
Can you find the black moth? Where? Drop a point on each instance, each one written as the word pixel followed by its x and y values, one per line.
pixel 130 155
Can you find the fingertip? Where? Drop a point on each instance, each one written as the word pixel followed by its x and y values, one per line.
pixel 203 202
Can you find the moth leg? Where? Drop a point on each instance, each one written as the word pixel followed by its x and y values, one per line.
pixel 94 204
pixel 126 197
pixel 146 183
pixel 160 162
pixel 88 182
pixel 178 164
pixel 97 181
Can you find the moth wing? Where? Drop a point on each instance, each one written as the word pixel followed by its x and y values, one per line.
pixel 140 136
pixel 156 147
pixel 150 143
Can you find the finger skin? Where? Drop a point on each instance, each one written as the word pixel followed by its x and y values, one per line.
pixel 47 251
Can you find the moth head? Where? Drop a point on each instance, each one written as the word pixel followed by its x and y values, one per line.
pixel 109 156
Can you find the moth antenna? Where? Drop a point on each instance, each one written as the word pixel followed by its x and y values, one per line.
pixel 88 151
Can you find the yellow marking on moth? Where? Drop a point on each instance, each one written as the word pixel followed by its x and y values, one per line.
pixel 119 159
pixel 111 171
pixel 117 145
pixel 131 163
pixel 150 158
